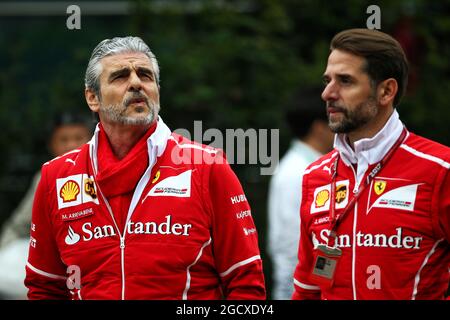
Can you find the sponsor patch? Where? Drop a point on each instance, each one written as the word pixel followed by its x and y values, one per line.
pixel 174 186
pixel 341 193
pixel 33 242
pixel 156 178
pixel 72 237
pixel 244 214
pixel 379 186
pixel 89 188
pixel 248 232
pixel 238 199
pixel 69 190
pixel 322 197
pixel 403 198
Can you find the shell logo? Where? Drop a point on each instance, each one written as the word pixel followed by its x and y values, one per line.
pixel 69 191
pixel 322 198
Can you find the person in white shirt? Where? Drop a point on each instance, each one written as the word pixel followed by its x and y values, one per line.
pixel 308 122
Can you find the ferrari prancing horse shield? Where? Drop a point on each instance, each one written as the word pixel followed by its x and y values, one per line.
pixel 379 187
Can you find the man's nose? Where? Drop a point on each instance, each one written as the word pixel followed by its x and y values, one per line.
pixel 135 82
pixel 330 92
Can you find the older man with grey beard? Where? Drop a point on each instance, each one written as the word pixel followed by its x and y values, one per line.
pixel 133 214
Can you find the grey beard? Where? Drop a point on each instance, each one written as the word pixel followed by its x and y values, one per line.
pixel 112 113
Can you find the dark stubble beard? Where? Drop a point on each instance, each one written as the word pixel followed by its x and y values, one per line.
pixel 354 119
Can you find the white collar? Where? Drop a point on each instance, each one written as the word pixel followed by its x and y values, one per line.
pixel 156 143
pixel 369 150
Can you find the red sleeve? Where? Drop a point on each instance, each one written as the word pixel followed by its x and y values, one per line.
pixel 234 236
pixel 45 272
pixel 303 288
pixel 444 212
pixel 444 206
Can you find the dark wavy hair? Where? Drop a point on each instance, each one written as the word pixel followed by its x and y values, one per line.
pixel 383 54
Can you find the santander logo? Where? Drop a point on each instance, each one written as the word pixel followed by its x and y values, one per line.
pixel 72 237
pixel 166 227
pixel 395 240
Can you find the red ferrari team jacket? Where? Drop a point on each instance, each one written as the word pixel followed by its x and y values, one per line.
pixel 395 240
pixel 189 232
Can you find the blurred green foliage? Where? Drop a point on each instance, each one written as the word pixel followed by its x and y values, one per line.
pixel 231 66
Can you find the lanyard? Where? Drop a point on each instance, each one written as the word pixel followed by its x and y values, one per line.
pixel 335 220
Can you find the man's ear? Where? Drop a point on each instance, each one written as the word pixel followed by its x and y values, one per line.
pixel 387 90
pixel 92 100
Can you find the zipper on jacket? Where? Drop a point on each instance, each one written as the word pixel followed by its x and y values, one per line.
pixel 122 262
pixel 356 187
pixel 122 241
pixel 355 220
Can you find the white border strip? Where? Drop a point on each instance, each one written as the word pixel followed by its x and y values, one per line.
pixel 239 264
pixel 417 278
pixel 188 274
pixel 320 164
pixel 426 156
pixel 65 154
pixel 305 286
pixel 43 273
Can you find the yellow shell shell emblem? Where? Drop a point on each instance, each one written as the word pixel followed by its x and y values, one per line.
pixel 156 178
pixel 69 191
pixel 322 198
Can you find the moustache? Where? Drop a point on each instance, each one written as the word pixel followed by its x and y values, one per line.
pixel 336 108
pixel 135 97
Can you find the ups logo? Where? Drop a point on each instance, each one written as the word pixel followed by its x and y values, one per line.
pixel 89 188
pixel 341 193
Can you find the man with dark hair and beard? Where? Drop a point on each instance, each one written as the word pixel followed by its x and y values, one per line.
pixel 139 212
pixel 375 212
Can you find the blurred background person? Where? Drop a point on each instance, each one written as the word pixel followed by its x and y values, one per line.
pixel 307 120
pixel 68 132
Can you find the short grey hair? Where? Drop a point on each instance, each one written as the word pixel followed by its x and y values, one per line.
pixel 111 47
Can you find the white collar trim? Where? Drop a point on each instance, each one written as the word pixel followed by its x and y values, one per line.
pixel 156 144
pixel 369 150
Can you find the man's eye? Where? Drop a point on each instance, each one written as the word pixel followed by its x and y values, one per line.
pixel 146 76
pixel 346 80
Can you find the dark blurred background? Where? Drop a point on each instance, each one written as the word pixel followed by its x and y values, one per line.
pixel 231 64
